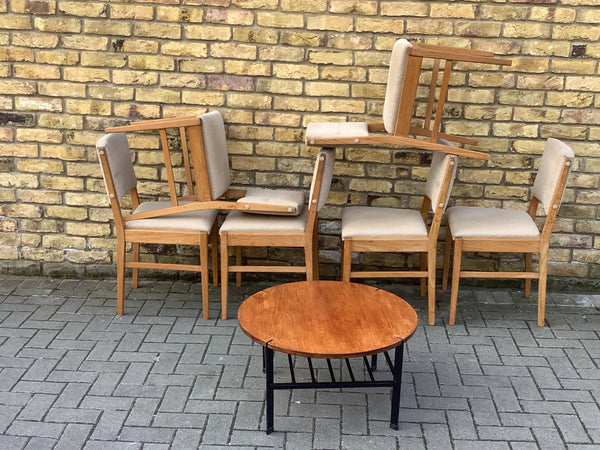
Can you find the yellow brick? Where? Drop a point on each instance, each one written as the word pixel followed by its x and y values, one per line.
pixel 281 54
pixel 544 114
pixel 255 36
pixel 148 62
pixel 111 93
pixel 379 25
pixel 37 135
pixel 157 30
pixel 278 119
pixel 12 22
pixel 528 98
pixel 63 57
pixel 34 40
pixel 38 104
pixel 300 38
pixel 21 150
pixel 178 14
pixel 107 28
pixel 330 57
pixel 203 98
pixel 252 163
pixel 40 196
pixel 277 179
pixel 349 106
pixel 102 60
pixel 321 89
pixel 21 210
pixel 582 84
pixel 130 77
pixel 53 25
pixel 185 49
pixel 364 155
pixel 330 23
pixel 311 6
pixel 60 121
pixel 278 149
pixel 479 96
pixel 230 16
pixel 295 104
pixel 8 87
pixel 82 9
pixel 250 133
pixel 279 20
pixel 133 12
pixel 39 254
pixel 248 68
pixel 515 130
pixel 552 14
pixel 468 128
pixel 275 86
pixel 569 99
pixel 207 32
pixel 370 185
pixel 588 116
pixel 39 225
pixel 478 29
pixel 135 46
pixel 241 51
pixel 66 212
pixel 88 107
pixel 576 67
pixel 36 72
pixel 480 176
pixel 428 27
pixel 544 82
pixel 157 95
pixel 453 10
pixel 62 183
pixel 87 229
pixel 492 112
pixel 576 33
pixel 86 75
pixel 412 9
pixel 546 48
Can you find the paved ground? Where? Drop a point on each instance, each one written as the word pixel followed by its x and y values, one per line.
pixel 74 375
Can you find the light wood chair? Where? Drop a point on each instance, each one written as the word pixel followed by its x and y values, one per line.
pixel 398 127
pixel 374 229
pixel 242 229
pixel 195 228
pixel 496 230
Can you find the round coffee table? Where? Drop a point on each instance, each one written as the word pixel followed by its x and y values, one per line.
pixel 331 320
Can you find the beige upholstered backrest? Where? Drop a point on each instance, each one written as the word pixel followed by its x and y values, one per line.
pixel 215 149
pixel 329 159
pixel 395 82
pixel 435 179
pixel 556 154
pixel 119 159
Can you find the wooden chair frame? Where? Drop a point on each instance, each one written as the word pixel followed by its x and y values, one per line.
pixel 527 246
pixel 307 240
pixel 431 129
pixel 154 236
pixel 426 247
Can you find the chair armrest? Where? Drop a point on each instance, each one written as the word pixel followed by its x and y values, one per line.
pixel 457 54
pixel 156 124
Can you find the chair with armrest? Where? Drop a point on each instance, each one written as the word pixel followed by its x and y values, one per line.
pixel 375 229
pixel 497 230
pixel 397 126
pixel 195 228
pixel 242 229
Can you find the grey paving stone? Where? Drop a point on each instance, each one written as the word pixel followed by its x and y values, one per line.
pixel 162 377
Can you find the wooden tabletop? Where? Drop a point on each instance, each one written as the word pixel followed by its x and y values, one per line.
pixel 327 319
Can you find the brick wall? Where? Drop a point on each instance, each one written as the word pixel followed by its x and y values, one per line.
pixel 70 68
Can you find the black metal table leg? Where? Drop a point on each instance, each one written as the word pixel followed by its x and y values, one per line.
pixel 270 390
pixel 397 385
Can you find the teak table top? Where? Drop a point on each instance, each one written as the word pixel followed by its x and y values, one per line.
pixel 327 319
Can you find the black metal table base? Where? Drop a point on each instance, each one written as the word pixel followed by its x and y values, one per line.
pixel 394 383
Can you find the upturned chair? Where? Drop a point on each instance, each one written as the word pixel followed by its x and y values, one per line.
pixel 397 126
pixel 195 228
pixel 242 229
pixel 375 229
pixel 481 229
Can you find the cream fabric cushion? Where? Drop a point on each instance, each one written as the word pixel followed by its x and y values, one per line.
pixel 315 130
pixel 435 178
pixel 119 159
pixel 241 222
pixel 217 157
pixel 294 200
pixel 370 221
pixel 553 159
pixel 393 91
pixel 478 221
pixel 329 155
pixel 200 221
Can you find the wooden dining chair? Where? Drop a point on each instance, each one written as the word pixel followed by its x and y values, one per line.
pixel 196 228
pixel 399 125
pixel 497 230
pixel 243 229
pixel 376 229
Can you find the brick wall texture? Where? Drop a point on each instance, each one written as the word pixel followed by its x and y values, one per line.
pixel 68 69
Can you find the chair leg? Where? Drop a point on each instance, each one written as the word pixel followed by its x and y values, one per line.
pixel 423 267
pixel 214 250
pixel 315 255
pixel 455 279
pixel 309 259
pixel 431 285
pixel 542 273
pixel 346 259
pixel 224 275
pixel 447 253
pixel 238 262
pixel 528 268
pixel 135 271
pixel 204 273
pixel 120 275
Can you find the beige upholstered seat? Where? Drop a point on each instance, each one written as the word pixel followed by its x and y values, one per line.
pixel 479 229
pixel 374 229
pixel 241 229
pixel 186 228
pixel 397 125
